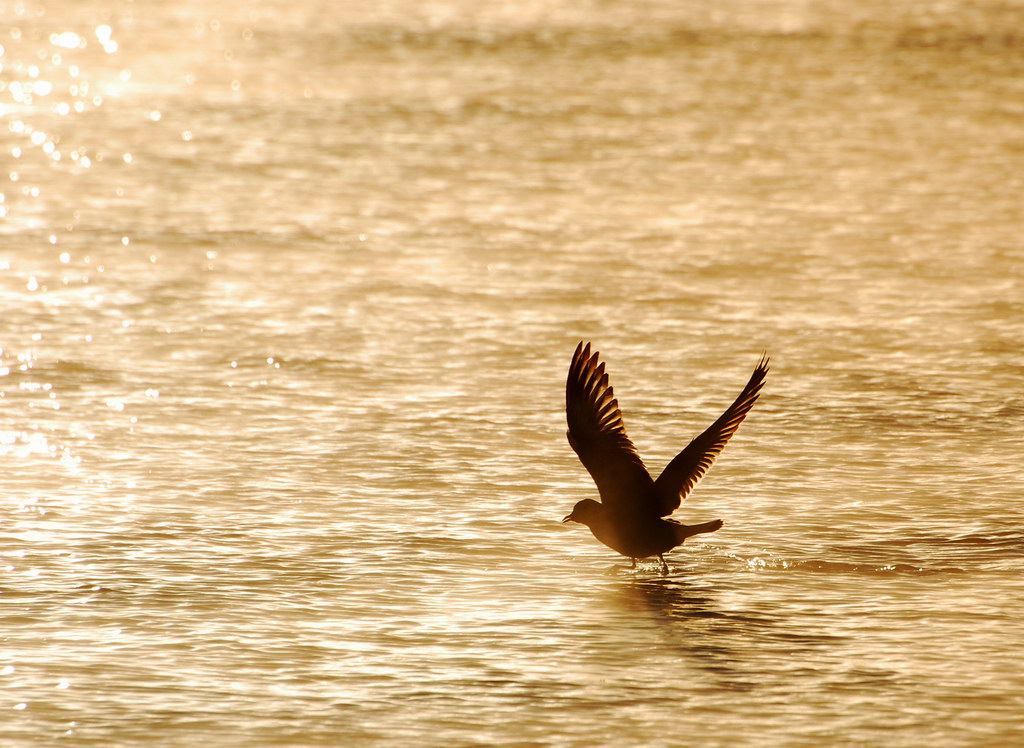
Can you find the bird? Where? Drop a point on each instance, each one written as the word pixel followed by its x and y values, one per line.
pixel 632 517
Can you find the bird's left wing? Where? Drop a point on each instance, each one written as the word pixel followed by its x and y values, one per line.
pixel 598 435
pixel 689 466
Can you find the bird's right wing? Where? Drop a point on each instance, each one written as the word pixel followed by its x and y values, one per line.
pixel 689 466
pixel 597 434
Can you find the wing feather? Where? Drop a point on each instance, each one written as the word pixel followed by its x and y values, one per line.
pixel 598 435
pixel 690 465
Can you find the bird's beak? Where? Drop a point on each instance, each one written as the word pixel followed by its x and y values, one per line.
pixel 567 518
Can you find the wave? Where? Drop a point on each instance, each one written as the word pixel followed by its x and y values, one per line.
pixel 825 566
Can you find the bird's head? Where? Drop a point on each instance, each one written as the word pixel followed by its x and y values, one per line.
pixel 585 512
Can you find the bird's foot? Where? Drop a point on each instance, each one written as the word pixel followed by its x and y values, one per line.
pixel 664 566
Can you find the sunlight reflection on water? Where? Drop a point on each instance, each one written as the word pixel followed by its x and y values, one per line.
pixel 290 295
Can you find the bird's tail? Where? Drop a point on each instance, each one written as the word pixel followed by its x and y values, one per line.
pixel 685 531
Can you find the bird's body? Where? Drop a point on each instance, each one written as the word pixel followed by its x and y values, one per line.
pixel 631 517
pixel 633 534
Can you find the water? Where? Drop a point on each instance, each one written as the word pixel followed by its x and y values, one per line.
pixel 289 294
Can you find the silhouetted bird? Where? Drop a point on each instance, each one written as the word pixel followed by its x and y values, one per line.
pixel 629 517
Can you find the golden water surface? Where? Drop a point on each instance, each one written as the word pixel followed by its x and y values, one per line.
pixel 288 291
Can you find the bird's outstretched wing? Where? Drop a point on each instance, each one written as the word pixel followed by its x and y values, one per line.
pixel 689 466
pixel 597 434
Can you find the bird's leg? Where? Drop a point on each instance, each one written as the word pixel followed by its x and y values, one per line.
pixel 664 566
pixel 633 565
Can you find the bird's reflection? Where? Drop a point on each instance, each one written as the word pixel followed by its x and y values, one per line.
pixel 673 599
pixel 733 645
pixel 692 622
pixel 688 608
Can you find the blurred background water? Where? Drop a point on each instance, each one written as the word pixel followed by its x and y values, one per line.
pixel 289 291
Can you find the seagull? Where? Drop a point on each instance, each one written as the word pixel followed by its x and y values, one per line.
pixel 631 517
